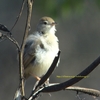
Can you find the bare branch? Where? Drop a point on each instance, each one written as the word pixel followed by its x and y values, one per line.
pixel 8 35
pixel 21 67
pixel 89 91
pixel 72 81
pixel 78 89
pixel 64 85
pixel 12 40
pixel 19 15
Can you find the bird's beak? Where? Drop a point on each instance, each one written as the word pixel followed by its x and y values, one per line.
pixel 54 23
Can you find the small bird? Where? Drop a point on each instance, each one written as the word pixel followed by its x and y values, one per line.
pixel 40 49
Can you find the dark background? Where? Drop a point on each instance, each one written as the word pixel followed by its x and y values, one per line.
pixel 78 31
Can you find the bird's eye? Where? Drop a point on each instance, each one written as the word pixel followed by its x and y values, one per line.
pixel 45 22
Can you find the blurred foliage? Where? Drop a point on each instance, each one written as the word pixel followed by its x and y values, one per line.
pixel 62 8
pixel 98 3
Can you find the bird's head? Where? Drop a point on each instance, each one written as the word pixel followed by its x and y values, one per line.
pixel 46 25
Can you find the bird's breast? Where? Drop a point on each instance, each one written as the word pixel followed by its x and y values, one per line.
pixel 43 61
pixel 45 48
pixel 45 53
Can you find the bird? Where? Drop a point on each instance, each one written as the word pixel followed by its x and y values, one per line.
pixel 41 47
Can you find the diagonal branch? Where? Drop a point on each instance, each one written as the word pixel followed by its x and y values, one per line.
pixel 8 35
pixel 12 40
pixel 72 81
pixel 64 85
pixel 19 15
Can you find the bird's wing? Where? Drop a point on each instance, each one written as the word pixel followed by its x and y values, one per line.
pixel 29 53
pixel 30 50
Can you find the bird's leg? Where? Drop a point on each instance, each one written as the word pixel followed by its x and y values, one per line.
pixel 36 77
pixel 46 83
pixel 37 80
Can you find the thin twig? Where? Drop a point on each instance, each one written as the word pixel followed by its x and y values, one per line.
pixel 19 15
pixel 89 91
pixel 21 67
pixel 13 41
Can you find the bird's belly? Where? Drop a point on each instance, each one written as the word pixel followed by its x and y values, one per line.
pixel 42 63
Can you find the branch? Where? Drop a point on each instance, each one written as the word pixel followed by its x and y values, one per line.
pixel 8 35
pixel 78 89
pixel 64 85
pixel 19 15
pixel 72 81
pixel 89 91
pixel 13 41
pixel 21 67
